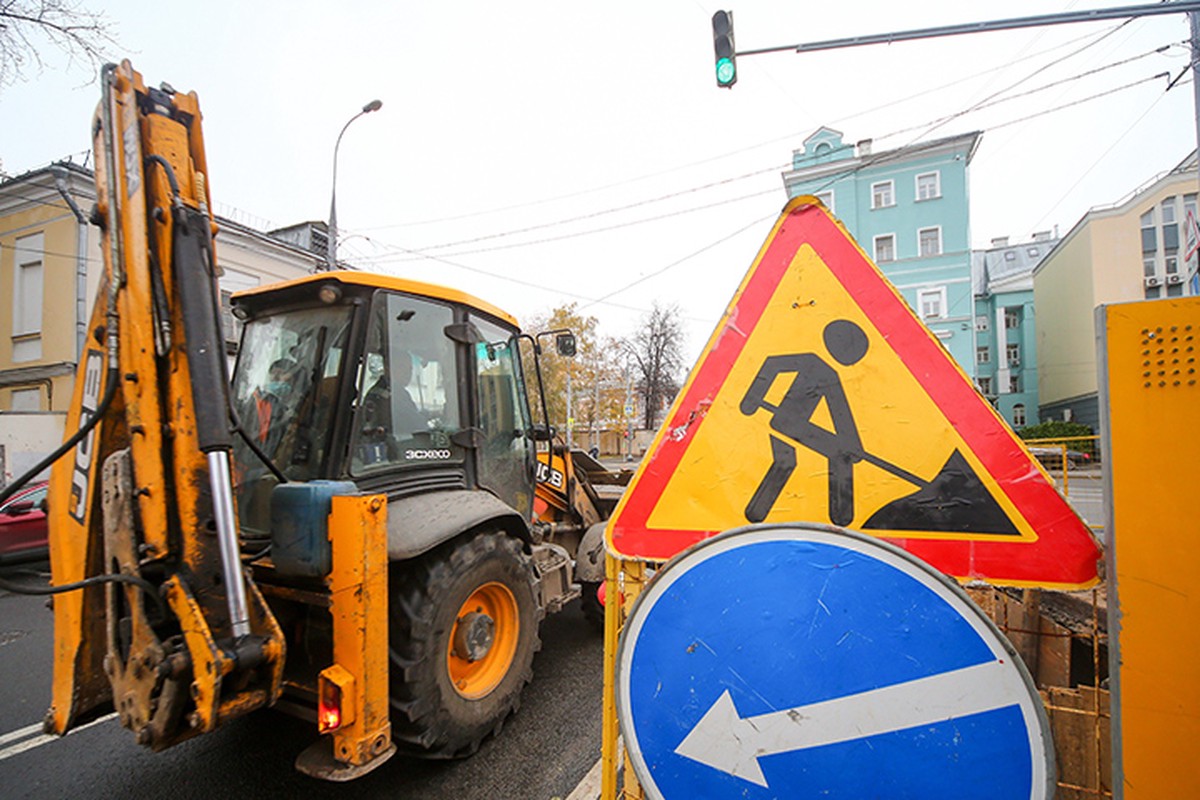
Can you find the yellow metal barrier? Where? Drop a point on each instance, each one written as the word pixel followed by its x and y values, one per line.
pixel 1076 463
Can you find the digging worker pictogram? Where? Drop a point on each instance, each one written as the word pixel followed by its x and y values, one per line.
pixel 815 381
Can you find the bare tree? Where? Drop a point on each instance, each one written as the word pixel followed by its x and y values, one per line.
pixel 656 351
pixel 28 27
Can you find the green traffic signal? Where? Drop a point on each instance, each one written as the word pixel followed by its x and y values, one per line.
pixel 726 72
pixel 723 48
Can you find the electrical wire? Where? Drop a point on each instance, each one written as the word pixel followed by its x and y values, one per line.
pixel 992 99
pixel 1099 158
pixel 677 262
pixel 791 135
pixel 590 232
pixel 606 211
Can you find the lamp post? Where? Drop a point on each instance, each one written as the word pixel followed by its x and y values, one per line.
pixel 331 252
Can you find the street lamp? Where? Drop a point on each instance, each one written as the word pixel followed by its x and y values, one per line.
pixel 331 252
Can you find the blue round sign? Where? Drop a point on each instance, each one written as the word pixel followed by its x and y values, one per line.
pixel 806 661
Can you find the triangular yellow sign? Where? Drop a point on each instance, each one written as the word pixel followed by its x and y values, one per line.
pixel 822 398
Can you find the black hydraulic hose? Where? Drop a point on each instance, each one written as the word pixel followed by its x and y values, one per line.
pixel 133 580
pixel 110 391
pixel 154 158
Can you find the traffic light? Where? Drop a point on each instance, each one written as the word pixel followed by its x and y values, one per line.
pixel 722 23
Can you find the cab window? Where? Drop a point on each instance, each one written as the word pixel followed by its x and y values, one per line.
pixel 505 458
pixel 407 404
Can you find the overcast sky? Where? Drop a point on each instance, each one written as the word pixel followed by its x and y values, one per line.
pixel 538 153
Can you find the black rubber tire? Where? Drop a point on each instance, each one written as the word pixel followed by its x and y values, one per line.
pixel 589 603
pixel 430 718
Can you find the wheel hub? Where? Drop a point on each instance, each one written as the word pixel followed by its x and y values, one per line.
pixel 480 649
pixel 473 636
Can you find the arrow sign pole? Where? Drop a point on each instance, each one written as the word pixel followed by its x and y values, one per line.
pixel 726 742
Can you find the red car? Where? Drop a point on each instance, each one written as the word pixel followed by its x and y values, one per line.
pixel 23 526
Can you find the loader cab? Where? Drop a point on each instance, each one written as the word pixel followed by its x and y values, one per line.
pixel 400 387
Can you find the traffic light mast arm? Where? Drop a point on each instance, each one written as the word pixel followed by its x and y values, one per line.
pixel 1092 15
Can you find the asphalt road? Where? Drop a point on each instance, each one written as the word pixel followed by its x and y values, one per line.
pixel 543 752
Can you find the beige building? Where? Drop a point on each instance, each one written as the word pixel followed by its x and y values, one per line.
pixel 1134 250
pixel 50 265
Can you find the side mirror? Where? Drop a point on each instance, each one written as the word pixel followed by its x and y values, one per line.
pixel 541 433
pixel 564 343
pixel 19 508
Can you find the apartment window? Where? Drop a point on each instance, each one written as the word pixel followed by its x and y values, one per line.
pixel 27 286
pixel 1168 211
pixel 929 186
pixel 981 323
pixel 983 355
pixel 883 194
pixel 1014 383
pixel 826 199
pixel 985 384
pixel 1013 353
pixel 1172 263
pixel 26 400
pixel 1189 205
pixel 27 296
pixel 885 248
pixel 1149 235
pixel 929 242
pixel 1019 415
pixel 931 303
pixel 1170 230
pixel 1149 267
pixel 1011 319
pixel 1032 252
pixel 1010 255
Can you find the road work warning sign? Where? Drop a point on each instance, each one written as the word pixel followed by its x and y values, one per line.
pixel 822 398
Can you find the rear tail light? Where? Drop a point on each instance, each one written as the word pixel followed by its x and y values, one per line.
pixel 335 699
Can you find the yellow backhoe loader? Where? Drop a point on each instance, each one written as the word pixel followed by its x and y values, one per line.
pixel 357 527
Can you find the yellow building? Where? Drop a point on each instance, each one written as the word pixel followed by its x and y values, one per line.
pixel 50 265
pixel 1136 249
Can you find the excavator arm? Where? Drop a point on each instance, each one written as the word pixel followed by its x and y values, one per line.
pixel 185 640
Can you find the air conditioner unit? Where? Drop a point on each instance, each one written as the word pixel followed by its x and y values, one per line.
pixel 1154 281
pixel 1173 279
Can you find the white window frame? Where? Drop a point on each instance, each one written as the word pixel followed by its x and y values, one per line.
pixel 937 185
pixel 1019 417
pixel 938 295
pixel 1012 319
pixel 1014 384
pixel 984 383
pixel 878 193
pixel 983 354
pixel 981 322
pixel 826 199
pixel 937 229
pixel 29 285
pixel 1012 354
pixel 875 247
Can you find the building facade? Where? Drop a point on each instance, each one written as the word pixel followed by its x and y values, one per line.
pixel 908 209
pixel 1006 360
pixel 50 266
pixel 1136 249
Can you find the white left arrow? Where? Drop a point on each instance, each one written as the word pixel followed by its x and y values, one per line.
pixel 726 742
